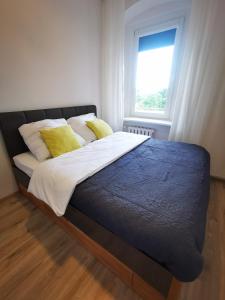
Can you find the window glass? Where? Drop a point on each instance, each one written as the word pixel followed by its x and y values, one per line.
pixel 154 65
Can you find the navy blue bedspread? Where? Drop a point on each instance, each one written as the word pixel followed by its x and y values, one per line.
pixel 156 198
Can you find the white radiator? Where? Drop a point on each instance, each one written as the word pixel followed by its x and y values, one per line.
pixel 141 130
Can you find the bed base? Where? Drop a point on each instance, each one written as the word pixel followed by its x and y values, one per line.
pixel 126 274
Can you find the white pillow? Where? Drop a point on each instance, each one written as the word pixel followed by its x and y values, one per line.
pixel 81 140
pixel 79 126
pixel 32 138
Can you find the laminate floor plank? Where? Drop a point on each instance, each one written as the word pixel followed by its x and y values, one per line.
pixel 211 283
pixel 38 260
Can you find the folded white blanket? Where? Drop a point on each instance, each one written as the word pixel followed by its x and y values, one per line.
pixel 54 180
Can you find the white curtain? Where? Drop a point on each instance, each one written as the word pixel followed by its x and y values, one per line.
pixel 199 114
pixel 113 62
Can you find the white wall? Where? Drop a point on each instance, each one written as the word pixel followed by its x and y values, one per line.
pixel 49 57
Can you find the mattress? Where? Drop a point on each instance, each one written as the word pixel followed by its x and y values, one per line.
pixel 155 197
pixel 26 162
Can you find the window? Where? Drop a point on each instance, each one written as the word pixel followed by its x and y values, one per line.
pixel 153 75
pixel 153 55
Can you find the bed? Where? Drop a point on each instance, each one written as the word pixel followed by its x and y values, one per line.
pixel 143 215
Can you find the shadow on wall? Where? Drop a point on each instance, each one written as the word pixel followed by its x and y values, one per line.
pixel 7 181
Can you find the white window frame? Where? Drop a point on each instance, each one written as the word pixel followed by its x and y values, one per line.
pixel 177 24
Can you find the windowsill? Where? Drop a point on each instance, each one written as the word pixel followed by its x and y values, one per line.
pixel 148 121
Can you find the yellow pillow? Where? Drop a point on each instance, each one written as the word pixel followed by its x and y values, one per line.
pixel 100 128
pixel 59 140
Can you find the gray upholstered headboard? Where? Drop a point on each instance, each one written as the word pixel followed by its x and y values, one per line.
pixel 11 121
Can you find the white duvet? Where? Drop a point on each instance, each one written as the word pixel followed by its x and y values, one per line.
pixel 55 180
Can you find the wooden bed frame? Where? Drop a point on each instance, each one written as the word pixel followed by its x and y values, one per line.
pixel 128 276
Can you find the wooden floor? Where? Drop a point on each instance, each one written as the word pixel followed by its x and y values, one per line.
pixel 39 261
